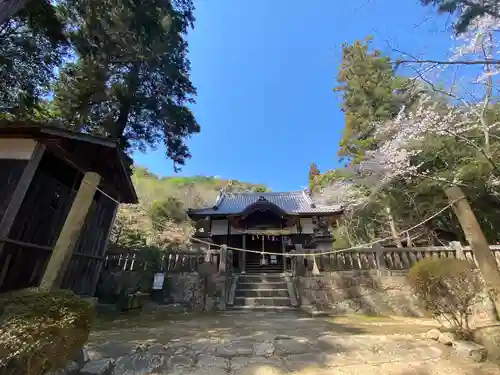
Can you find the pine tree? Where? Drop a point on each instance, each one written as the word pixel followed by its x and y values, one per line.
pixel 131 79
pixel 369 91
pixel 313 172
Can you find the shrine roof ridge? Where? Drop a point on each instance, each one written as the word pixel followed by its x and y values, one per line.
pixel 291 202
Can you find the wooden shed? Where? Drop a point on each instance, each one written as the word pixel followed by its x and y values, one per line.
pixel 44 178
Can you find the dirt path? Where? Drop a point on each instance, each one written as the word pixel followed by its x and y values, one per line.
pixel 268 343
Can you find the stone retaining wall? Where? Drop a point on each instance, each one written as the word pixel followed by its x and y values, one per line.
pixel 188 289
pixel 365 292
pixel 370 292
pixel 184 288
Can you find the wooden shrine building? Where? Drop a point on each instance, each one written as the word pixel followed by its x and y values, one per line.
pixel 266 222
pixel 54 219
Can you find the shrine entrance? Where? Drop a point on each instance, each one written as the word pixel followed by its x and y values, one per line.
pixel 260 262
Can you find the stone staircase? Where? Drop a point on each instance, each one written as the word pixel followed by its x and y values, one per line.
pixel 253 266
pixel 272 291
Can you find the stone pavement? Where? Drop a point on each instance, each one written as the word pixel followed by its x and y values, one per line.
pixel 270 343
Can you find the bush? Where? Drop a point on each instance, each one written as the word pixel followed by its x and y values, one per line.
pixel 447 288
pixel 41 331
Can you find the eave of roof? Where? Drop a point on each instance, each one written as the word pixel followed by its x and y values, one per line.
pixel 37 131
pixel 295 203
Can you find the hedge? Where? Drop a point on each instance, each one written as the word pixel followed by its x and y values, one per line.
pixel 41 330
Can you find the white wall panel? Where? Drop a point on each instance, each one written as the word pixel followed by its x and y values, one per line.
pixel 20 149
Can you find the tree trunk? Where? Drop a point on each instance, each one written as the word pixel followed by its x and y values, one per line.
pixel 126 102
pixel 474 235
pixel 9 8
pixel 394 231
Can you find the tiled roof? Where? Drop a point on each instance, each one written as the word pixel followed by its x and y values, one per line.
pixel 293 202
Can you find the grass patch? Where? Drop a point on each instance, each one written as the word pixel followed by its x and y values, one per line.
pixel 360 318
pixel 114 320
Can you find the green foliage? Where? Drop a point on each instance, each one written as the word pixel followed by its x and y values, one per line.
pixel 127 78
pixel 32 45
pixel 447 288
pixel 169 209
pixel 369 91
pixel 131 79
pixel 160 220
pixel 41 330
pixel 466 10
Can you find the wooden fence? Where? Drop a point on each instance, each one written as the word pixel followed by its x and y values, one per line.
pixel 172 262
pixel 375 258
pixel 386 258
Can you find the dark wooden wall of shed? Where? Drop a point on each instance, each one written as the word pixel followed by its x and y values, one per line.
pixel 88 258
pixel 10 174
pixel 39 222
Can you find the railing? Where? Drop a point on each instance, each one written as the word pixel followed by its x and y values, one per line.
pixel 171 262
pixel 378 258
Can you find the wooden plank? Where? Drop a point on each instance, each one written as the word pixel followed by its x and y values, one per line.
pixel 63 249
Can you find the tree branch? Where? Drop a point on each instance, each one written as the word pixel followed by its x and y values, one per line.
pixel 445 62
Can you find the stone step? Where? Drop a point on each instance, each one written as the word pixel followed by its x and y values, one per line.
pixel 241 309
pixel 261 285
pixel 261 278
pixel 259 270
pixel 261 293
pixel 268 266
pixel 262 301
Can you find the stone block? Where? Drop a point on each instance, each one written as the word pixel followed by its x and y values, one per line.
pixel 110 349
pixel 97 367
pixel 446 338
pixel 489 337
pixel 433 334
pixel 470 350
pixel 138 364
pixel 264 349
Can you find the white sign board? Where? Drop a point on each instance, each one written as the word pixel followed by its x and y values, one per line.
pixel 158 281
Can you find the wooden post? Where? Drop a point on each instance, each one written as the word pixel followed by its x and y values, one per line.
pixel 70 232
pixel 394 232
pixel 379 255
pixel 459 250
pixel 474 235
pixel 299 260
pixel 242 255
pixel 315 270
pixel 223 259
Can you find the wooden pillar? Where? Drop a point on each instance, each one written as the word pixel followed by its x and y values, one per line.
pixel 242 254
pixel 283 257
pixel 70 232
pixel 474 235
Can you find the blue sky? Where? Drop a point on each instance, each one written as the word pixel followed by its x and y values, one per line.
pixel 265 69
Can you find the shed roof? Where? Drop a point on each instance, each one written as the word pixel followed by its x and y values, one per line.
pixel 292 202
pixel 86 152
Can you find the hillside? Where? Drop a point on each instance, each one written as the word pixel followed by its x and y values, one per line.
pixel 160 217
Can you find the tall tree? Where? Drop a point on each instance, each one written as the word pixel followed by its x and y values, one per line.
pixel 368 85
pixel 32 45
pixel 130 80
pixel 313 173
